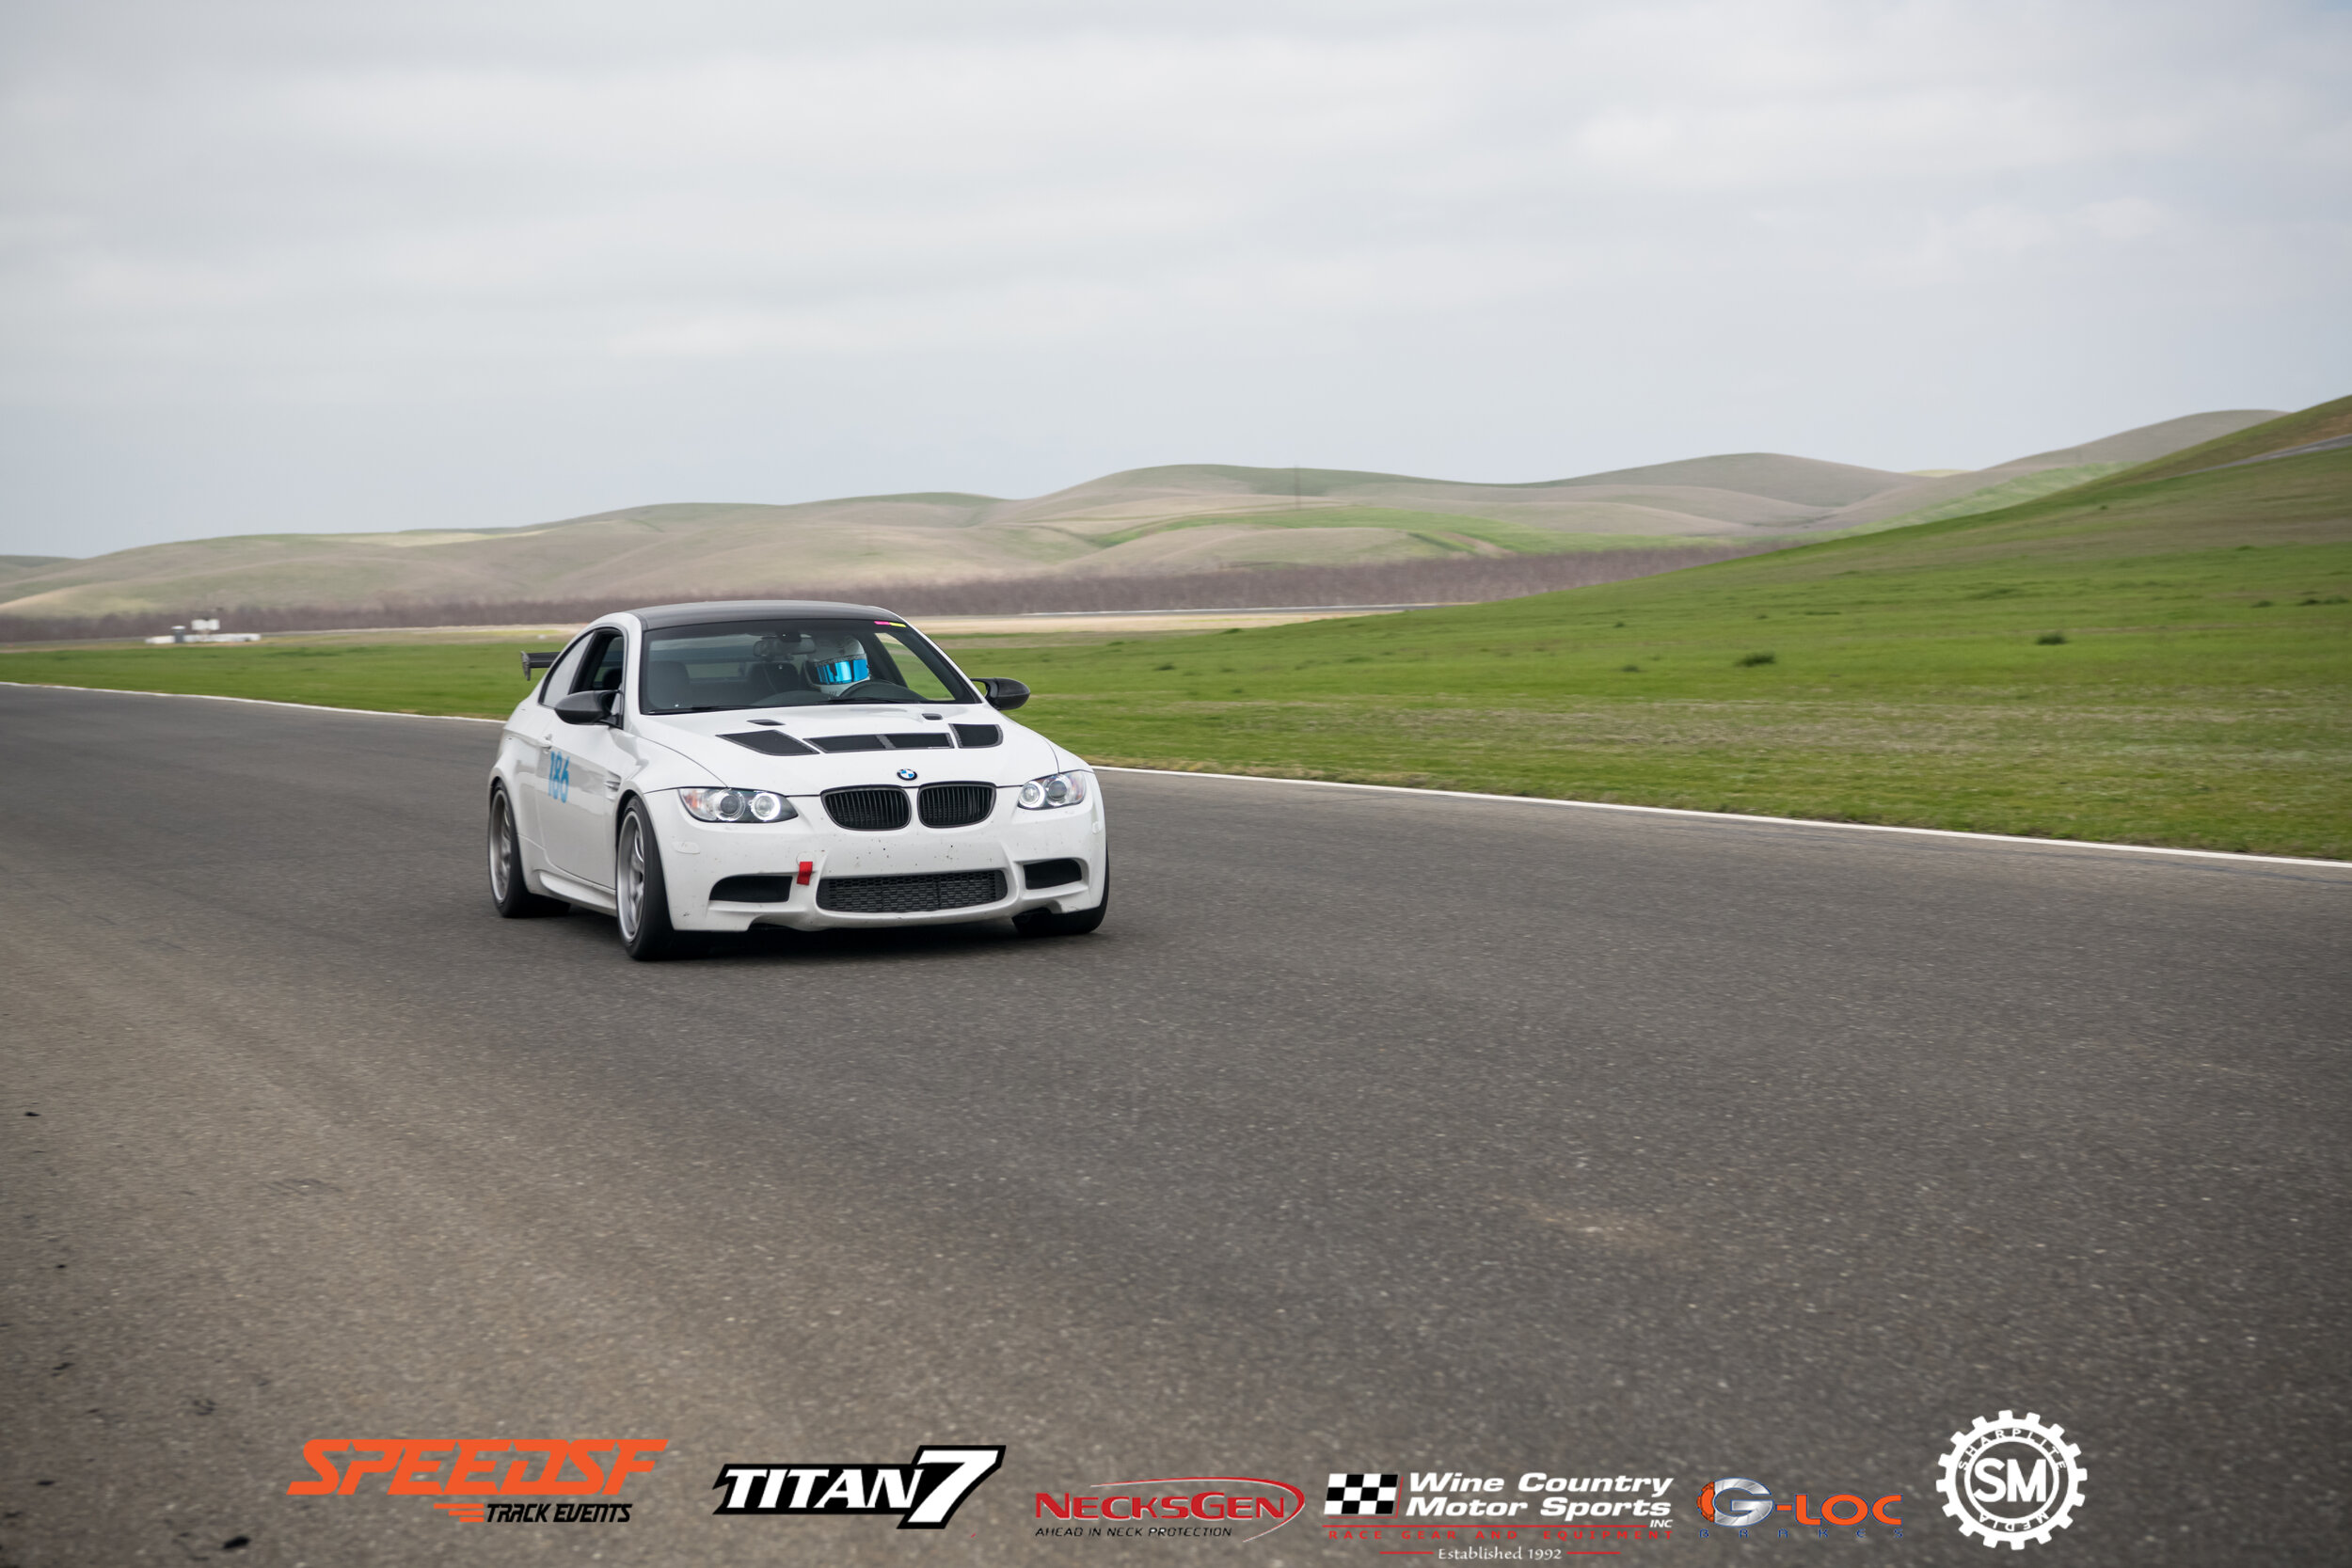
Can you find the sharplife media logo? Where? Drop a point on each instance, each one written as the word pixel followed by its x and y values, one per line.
pixel 498 1480
pixel 2011 1481
pixel 923 1494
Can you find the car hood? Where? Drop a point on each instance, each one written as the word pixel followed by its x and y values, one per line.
pixel 860 744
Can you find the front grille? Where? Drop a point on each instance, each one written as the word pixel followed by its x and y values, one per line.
pixel 774 743
pixel 867 811
pixel 752 890
pixel 946 890
pixel 978 735
pixel 956 805
pixel 1038 874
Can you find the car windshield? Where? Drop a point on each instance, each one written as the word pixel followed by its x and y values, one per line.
pixel 739 664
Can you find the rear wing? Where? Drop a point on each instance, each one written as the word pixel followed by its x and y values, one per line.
pixel 534 663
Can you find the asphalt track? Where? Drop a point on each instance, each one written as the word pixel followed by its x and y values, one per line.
pixel 1371 1132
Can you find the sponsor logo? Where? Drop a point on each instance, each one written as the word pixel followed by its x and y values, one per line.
pixel 2011 1481
pixel 923 1494
pixel 1173 1508
pixel 1418 1508
pixel 1351 1495
pixel 479 1478
pixel 1739 1503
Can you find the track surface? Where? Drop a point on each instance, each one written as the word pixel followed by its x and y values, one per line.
pixel 1371 1132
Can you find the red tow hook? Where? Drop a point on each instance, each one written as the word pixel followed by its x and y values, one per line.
pixel 807 868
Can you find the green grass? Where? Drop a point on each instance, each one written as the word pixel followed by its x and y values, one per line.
pixel 2201 695
pixel 1993 498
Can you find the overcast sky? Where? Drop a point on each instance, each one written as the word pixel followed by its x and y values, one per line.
pixel 415 264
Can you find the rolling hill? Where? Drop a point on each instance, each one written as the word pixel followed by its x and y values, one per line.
pixel 1179 518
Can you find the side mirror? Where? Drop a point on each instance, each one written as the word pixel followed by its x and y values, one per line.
pixel 1003 693
pixel 586 707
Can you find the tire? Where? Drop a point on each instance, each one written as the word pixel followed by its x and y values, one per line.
pixel 1045 922
pixel 509 892
pixel 641 894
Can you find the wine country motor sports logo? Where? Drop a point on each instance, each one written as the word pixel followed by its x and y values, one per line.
pixel 1170 1508
pixel 487 1479
pixel 923 1494
pixel 2011 1480
pixel 1418 1509
pixel 1739 1503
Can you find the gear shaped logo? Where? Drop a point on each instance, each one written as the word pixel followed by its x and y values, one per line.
pixel 2011 1480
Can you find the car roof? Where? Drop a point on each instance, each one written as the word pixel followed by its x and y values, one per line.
pixel 759 609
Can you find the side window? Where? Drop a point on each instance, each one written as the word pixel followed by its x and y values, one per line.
pixel 601 669
pixel 914 673
pixel 560 678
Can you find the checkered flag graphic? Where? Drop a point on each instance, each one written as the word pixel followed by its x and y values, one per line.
pixel 1360 1493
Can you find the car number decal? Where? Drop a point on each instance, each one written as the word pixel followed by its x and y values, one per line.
pixel 559 776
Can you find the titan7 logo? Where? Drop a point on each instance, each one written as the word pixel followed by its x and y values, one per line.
pixel 923 1495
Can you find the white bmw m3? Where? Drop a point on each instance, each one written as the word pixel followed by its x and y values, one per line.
pixel 715 766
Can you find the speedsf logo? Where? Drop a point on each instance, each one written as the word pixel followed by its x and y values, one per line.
pixel 486 1480
pixel 921 1495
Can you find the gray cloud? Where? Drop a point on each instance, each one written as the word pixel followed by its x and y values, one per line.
pixel 293 267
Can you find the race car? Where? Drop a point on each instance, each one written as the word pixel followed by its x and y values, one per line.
pixel 713 767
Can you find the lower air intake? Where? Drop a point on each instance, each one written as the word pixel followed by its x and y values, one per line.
pixel 946 890
pixel 869 811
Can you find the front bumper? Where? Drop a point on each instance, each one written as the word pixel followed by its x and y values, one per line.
pixel 697 856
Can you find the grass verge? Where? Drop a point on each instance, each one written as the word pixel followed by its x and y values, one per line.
pixel 2167 662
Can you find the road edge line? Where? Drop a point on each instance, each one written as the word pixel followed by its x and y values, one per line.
pixel 1742 817
pixel 258 701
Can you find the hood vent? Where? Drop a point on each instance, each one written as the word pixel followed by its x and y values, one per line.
pixel 775 743
pixel 914 741
pixel 978 735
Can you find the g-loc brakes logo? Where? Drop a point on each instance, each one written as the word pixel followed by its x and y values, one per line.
pixel 923 1495
pixel 474 1490
pixel 1989 1491
pixel 1737 1502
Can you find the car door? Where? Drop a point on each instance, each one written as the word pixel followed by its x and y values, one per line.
pixel 585 766
pixel 531 731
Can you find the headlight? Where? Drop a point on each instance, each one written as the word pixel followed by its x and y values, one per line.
pixel 736 805
pixel 1055 789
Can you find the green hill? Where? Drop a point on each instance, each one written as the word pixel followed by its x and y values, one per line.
pixel 1177 518
pixel 2159 660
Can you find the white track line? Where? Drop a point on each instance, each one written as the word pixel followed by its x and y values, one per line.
pixel 257 702
pixel 1742 817
pixel 1384 790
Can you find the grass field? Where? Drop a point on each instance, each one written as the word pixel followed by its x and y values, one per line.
pixel 2164 662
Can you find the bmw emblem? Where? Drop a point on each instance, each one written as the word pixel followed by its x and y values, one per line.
pixel 907 773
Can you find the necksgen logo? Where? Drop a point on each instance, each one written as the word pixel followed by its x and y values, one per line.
pixel 1192 1506
pixel 923 1495
pixel 476 1477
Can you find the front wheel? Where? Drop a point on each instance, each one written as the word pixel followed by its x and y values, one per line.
pixel 1045 922
pixel 641 893
pixel 508 891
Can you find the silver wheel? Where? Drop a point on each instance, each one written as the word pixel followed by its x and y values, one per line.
pixel 632 882
pixel 502 847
